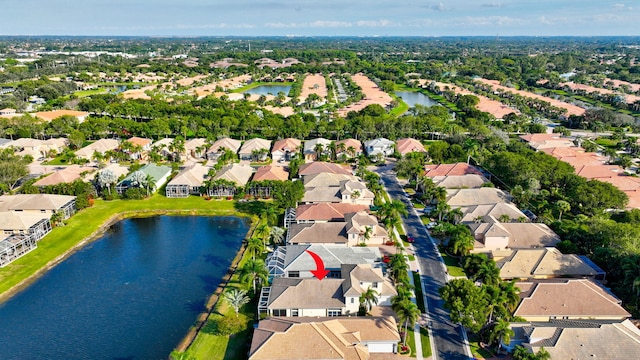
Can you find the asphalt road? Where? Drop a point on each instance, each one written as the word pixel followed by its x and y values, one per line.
pixel 447 336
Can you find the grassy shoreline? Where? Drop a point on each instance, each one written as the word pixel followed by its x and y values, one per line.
pixel 89 224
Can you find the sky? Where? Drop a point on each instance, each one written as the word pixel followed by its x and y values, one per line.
pixel 320 17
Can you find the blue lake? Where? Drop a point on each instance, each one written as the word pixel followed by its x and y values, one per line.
pixel 269 90
pixel 132 294
pixel 416 98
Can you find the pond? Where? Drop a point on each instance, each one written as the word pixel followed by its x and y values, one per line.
pixel 132 294
pixel 414 98
pixel 269 90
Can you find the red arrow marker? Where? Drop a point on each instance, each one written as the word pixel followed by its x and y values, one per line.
pixel 320 272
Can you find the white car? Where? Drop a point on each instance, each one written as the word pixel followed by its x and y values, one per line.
pixel 432 224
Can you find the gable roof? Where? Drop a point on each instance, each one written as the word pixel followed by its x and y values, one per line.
pixel 318 233
pixel 472 212
pixel 327 211
pixel 277 173
pixel 288 144
pixel 227 143
pixel 613 341
pixel 317 167
pixel 572 297
pixel 599 171
pixel 324 338
pixel 68 174
pixel 142 142
pixel 356 144
pixel 34 202
pixel 254 144
pixel 467 197
pixel 50 115
pixel 237 173
pixel 192 144
pixel 407 145
pixel 309 145
pixel 326 179
pixel 528 263
pixel 101 146
pixel 14 221
pixel 192 176
pixel 457 169
pixel 469 181
pixel 295 257
pixel 521 235
pixel 323 194
pixel 308 293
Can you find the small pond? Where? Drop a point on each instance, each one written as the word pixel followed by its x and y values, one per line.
pixel 415 98
pixel 269 90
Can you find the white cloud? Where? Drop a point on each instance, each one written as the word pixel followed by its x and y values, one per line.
pixel 490 20
pixel 330 24
pixel 375 23
pixel 493 5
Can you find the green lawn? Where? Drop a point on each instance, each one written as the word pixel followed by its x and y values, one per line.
pixel 85 93
pixel 426 344
pixel 411 341
pixel 452 265
pixel 606 142
pixel 86 223
pixel 402 108
pixel 477 351
pixel 418 291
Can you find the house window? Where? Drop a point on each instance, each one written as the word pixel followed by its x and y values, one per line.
pixel 374 285
pixel 294 274
pixel 279 312
pixel 334 312
pixel 43 211
pixel 294 312
pixel 353 300
pixel 334 274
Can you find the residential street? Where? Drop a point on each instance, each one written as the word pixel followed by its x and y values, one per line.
pixel 449 340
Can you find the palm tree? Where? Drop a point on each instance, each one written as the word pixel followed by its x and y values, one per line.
pixel 106 178
pixel 562 206
pixel 488 273
pixel 255 246
pixel 149 184
pixel 393 208
pixel 277 235
pixel 318 148
pixel 455 215
pixel 236 298
pixel 254 271
pixel 368 299
pixel 408 314
pixel 367 233
pixel 500 333
pixel 262 232
pixel 510 291
pixel 504 218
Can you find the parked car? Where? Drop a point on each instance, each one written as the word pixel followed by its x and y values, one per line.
pixel 432 224
pixel 410 238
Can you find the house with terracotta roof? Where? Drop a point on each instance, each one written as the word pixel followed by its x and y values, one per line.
pixel 542 141
pixel 255 149
pixel 348 149
pixel 324 338
pixel 293 260
pixel 143 144
pixel 285 149
pixel 216 149
pixel 599 172
pixel 490 234
pixel 99 146
pixel 579 339
pixel 315 147
pixel 66 175
pixel 630 186
pixel 330 297
pixel 568 299
pixel 271 173
pixel 317 167
pixel 456 169
pixel 325 212
pixel 51 115
pixel 409 145
pixel 189 181
pixel 546 263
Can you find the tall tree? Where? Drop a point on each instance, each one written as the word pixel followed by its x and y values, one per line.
pixel 254 271
pixel 368 298
pixel 236 298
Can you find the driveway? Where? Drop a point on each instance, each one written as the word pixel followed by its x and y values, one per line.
pixel 448 337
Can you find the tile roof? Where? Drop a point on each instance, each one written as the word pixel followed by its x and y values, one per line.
pixel 327 211
pixel 68 174
pixel 548 262
pixel 317 167
pixel 457 169
pixel 521 235
pixel 469 181
pixel 407 145
pixel 325 338
pixel 356 144
pixel 237 173
pixel 324 194
pixel 34 202
pixel 296 258
pixel 318 233
pixel 599 171
pixel 576 298
pixel 254 144
pixel 227 143
pixel 139 141
pixel 10 220
pixel 615 341
pixel 308 293
pixel 101 146
pixel 289 144
pixel 326 179
pixel 277 173
pixel 193 176
pixel 309 145
pixel 473 212
pixel 467 197
pixel 50 115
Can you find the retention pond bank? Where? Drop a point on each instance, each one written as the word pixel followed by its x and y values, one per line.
pixel 131 294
